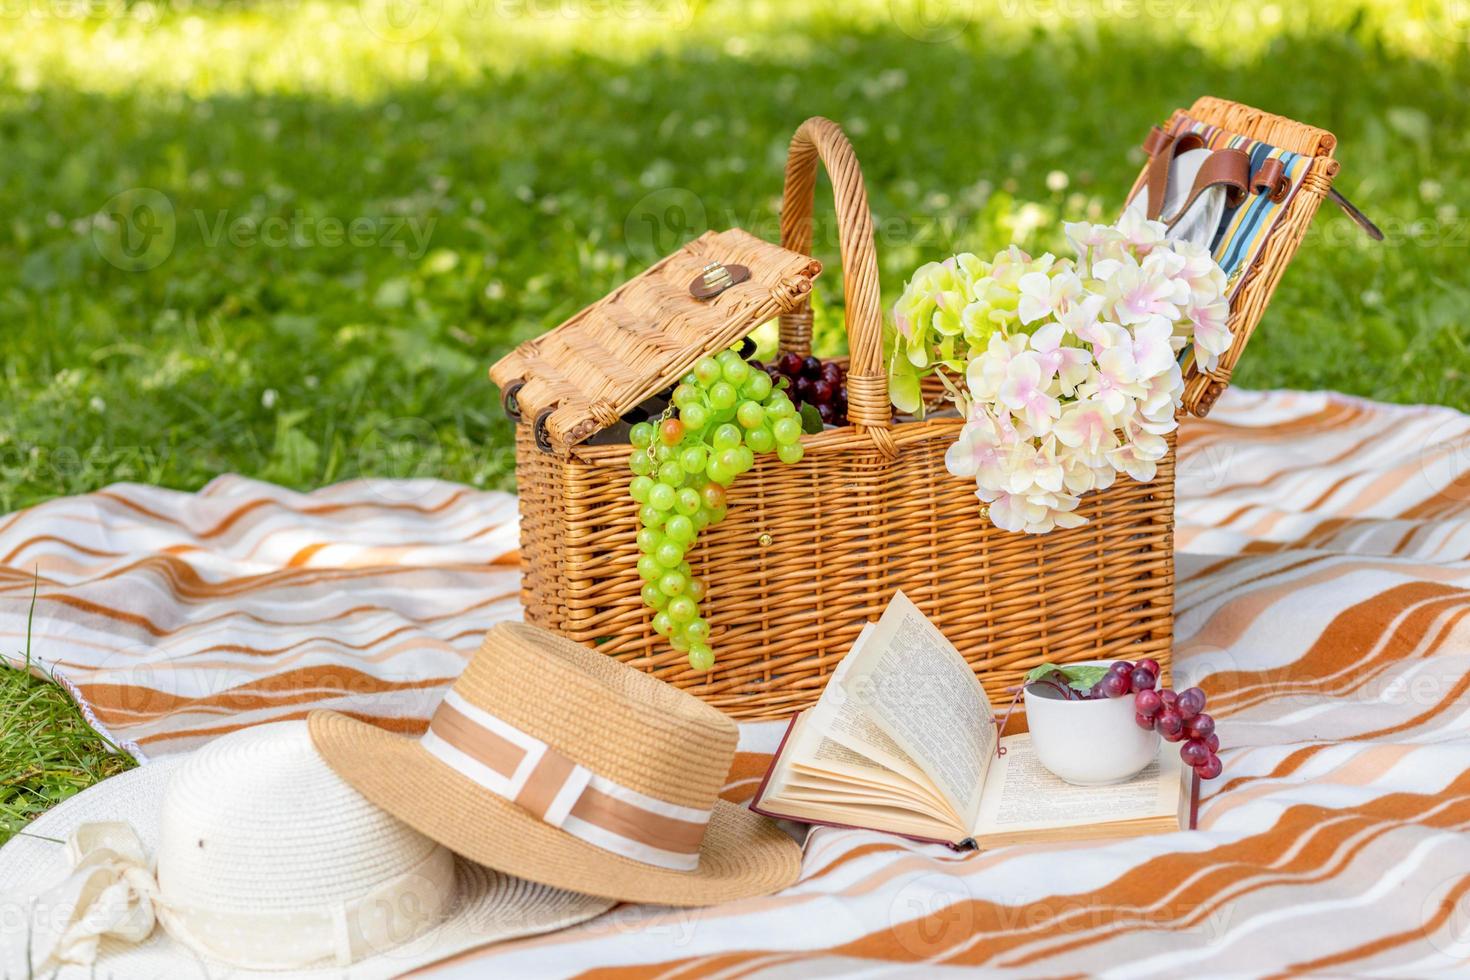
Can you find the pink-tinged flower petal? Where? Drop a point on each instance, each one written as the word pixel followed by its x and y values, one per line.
pixel 1087 425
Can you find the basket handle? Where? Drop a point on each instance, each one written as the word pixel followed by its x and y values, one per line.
pixel 867 384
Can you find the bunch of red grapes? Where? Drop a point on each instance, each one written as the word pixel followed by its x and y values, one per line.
pixel 1176 717
pixel 811 382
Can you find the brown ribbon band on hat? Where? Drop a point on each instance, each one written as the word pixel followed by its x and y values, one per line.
pixel 652 829
pixel 554 789
pixel 479 743
pixel 545 782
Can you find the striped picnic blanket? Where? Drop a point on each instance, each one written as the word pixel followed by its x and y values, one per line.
pixel 1322 603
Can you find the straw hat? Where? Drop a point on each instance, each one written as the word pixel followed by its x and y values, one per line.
pixel 559 764
pixel 266 861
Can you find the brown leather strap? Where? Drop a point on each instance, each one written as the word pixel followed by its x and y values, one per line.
pixel 1158 177
pixel 1351 210
pixel 1156 140
pixel 1227 168
pixel 1270 178
pixel 1162 148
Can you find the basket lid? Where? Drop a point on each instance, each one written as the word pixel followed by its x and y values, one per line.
pixel 1287 162
pixel 639 339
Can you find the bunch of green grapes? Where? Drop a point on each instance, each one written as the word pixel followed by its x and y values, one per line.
pixel 724 414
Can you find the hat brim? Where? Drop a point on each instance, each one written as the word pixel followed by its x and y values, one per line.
pixel 491 907
pixel 743 853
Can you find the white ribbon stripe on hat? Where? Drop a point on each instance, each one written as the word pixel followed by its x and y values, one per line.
pixel 521 768
pixel 113 893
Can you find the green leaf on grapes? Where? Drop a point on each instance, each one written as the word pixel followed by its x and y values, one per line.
pixel 1080 677
pixel 811 419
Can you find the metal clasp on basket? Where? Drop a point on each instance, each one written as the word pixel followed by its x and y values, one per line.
pixel 715 278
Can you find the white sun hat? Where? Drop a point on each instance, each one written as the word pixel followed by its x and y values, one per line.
pixel 263 863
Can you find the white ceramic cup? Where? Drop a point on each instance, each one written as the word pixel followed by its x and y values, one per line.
pixel 1089 743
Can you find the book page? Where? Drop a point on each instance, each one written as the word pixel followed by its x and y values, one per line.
pixel 808 749
pixel 914 685
pixel 851 726
pixel 825 788
pixel 843 720
pixel 840 786
pixel 1022 794
pixel 834 758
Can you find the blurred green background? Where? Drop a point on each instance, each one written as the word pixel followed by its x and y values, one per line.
pixel 287 238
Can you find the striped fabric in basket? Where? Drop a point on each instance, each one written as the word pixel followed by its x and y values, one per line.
pixel 1245 227
pixel 1323 601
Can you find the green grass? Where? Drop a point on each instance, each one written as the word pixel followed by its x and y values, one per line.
pixel 47 750
pixel 175 302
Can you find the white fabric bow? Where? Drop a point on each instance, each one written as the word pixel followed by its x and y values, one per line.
pixel 110 892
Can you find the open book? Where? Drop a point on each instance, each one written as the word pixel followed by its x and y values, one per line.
pixel 903 740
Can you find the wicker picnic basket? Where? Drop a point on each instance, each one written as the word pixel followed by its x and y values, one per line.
pixel 812 551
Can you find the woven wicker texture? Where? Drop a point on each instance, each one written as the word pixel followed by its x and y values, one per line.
pixel 583 375
pixel 812 551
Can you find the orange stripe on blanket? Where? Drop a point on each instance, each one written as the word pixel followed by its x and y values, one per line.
pixel 1447 907
pixel 304 686
pixel 1134 900
pixel 1377 632
pixel 303 556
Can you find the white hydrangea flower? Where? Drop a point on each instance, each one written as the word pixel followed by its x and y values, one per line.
pixel 1071 367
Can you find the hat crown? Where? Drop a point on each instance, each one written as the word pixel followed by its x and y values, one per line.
pixel 256 821
pixel 618 722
